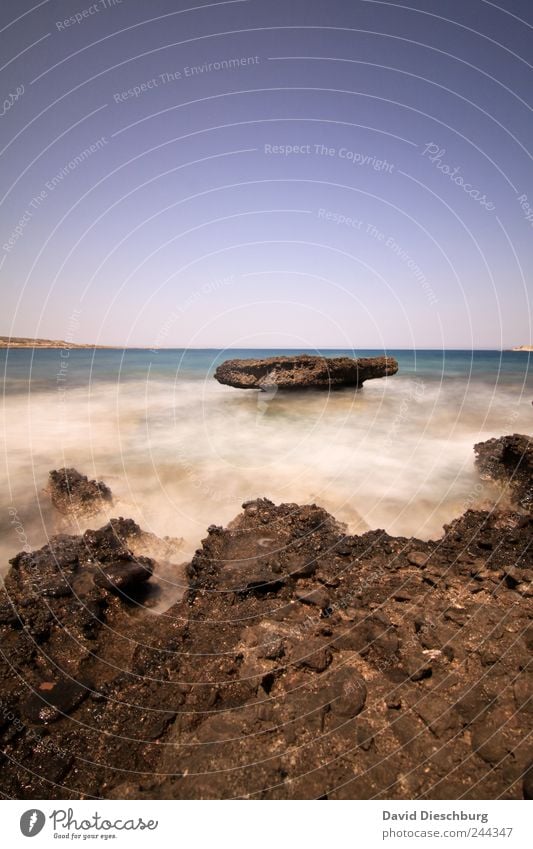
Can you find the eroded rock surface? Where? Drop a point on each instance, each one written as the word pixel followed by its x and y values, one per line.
pixel 303 371
pixel 509 461
pixel 302 663
pixel 73 494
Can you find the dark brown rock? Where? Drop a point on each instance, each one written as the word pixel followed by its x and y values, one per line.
pixel 528 783
pixel 318 597
pixel 509 460
pixel 417 558
pixel 312 654
pixel 303 371
pixel 418 666
pixel 241 690
pixel 74 494
pixel 489 743
pixel 348 692
pixel 54 698
pixel 124 574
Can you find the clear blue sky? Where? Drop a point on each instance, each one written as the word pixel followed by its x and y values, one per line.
pixel 265 173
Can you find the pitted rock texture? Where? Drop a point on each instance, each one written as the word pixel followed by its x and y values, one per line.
pixel 74 494
pixel 302 663
pixel 509 461
pixel 303 371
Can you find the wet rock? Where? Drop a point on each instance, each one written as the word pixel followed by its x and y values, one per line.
pixel 303 372
pixel 75 495
pixel 509 460
pixel 120 575
pixel 239 691
pixel 58 587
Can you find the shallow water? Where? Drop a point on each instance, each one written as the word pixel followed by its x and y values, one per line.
pixel 181 452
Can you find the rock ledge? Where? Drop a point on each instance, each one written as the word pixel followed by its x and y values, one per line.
pixel 303 371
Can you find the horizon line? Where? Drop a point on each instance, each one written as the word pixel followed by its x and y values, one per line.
pixel 59 344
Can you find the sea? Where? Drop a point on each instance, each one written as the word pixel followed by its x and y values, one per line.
pixel 182 452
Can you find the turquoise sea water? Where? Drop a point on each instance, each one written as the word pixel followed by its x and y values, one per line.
pixel 181 452
pixel 20 367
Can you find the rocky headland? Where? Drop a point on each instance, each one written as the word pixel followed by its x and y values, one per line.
pixel 303 371
pixel 301 661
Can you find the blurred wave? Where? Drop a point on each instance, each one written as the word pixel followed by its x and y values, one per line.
pixel 181 452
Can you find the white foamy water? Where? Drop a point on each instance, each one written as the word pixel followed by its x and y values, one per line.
pixel 180 456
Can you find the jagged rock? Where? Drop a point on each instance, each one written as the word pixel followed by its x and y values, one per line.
pixel 303 371
pixel 241 690
pixel 62 584
pixel 509 460
pixel 75 495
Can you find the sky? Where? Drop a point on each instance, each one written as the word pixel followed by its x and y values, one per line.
pixel 264 173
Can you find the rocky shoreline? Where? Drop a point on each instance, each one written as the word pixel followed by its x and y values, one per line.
pixel 301 661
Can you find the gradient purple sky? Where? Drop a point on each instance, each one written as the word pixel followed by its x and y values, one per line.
pixel 184 228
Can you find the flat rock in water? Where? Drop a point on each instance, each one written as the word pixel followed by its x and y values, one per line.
pixel 304 371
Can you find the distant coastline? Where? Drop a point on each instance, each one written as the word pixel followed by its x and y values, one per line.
pixel 26 342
